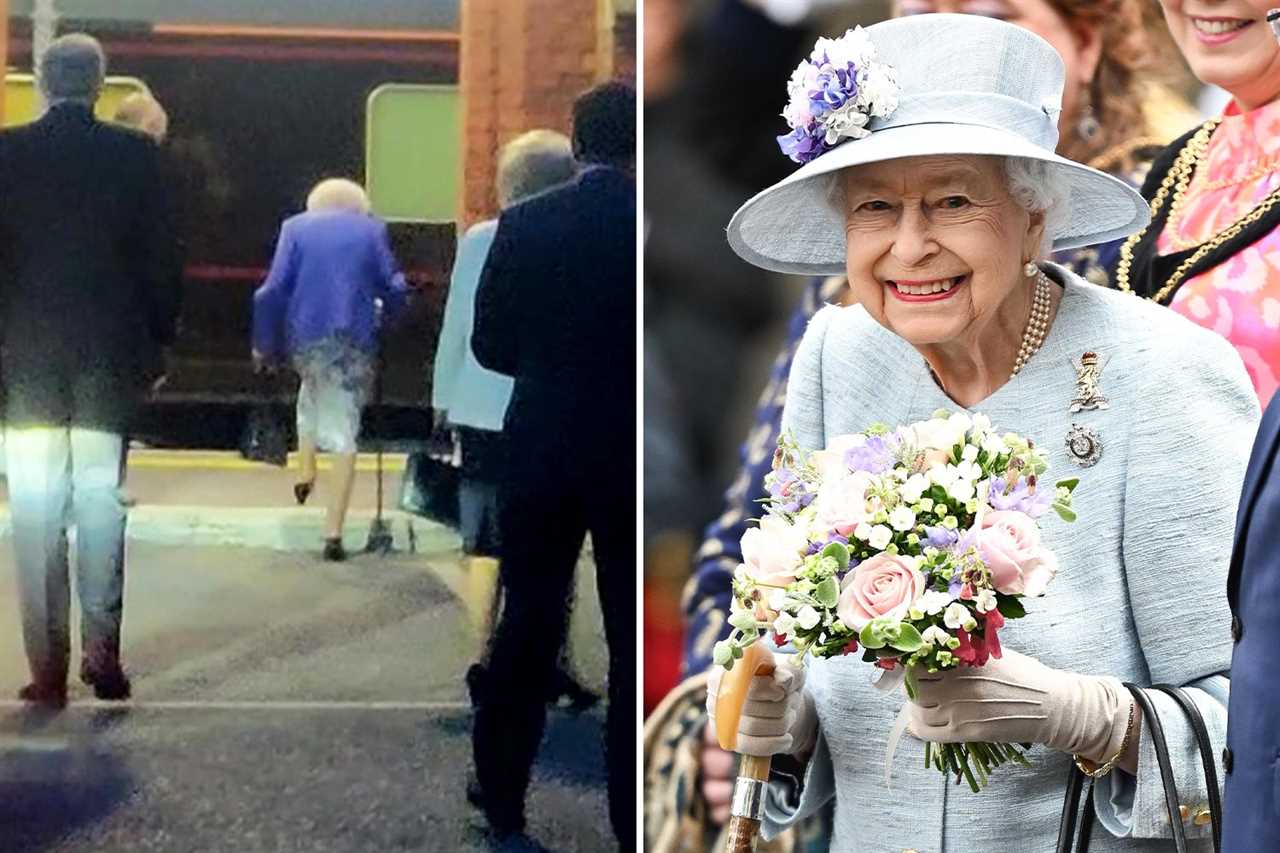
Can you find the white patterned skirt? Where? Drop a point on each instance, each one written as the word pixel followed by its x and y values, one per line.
pixel 336 379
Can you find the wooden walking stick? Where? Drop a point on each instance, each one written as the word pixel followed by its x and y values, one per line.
pixel 747 809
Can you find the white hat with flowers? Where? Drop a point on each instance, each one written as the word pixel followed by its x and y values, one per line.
pixel 912 87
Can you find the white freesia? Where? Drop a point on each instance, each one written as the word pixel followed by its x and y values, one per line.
pixel 902 519
pixel 958 616
pixel 970 453
pixel 961 490
pixel 933 602
pixel 969 470
pixel 960 421
pixel 777 599
pixel 935 636
pixel 784 624
pixel 982 423
pixel 993 444
pixel 943 475
pixel 985 600
pixel 914 487
pixel 880 537
pixel 808 618
pixel 862 531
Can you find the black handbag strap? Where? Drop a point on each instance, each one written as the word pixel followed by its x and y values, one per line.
pixel 1201 731
pixel 1075 784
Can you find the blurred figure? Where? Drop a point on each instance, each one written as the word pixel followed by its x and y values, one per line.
pixel 143 112
pixel 473 400
pixel 556 309
pixel 333 283
pixel 90 261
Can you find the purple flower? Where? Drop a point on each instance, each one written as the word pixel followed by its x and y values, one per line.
pixel 1020 499
pixel 818 544
pixel 800 146
pixel 874 457
pixel 789 491
pixel 940 537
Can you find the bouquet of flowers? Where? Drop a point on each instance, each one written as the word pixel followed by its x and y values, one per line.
pixel 913 545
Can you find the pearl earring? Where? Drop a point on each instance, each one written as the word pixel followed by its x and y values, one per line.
pixel 1030 270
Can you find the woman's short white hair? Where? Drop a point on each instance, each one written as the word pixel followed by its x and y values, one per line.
pixel 1040 188
pixel 1034 184
pixel 532 163
pixel 338 194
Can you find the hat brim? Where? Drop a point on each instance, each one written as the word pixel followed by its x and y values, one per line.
pixel 794 226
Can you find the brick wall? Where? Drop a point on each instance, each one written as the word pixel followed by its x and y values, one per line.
pixel 523 62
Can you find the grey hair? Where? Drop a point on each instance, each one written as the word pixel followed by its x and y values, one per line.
pixel 1040 188
pixel 338 194
pixel 72 69
pixel 1034 184
pixel 531 163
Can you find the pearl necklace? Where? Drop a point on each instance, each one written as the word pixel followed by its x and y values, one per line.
pixel 1037 324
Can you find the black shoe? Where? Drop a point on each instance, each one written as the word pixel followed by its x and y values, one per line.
pixel 564 689
pixel 48 695
pixel 302 491
pixel 111 685
pixel 333 551
pixel 504 822
pixel 475 678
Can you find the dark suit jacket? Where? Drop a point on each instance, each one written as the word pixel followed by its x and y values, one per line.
pixel 1252 797
pixel 556 309
pixel 89 268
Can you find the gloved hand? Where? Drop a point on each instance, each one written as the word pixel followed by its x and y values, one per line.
pixel 1017 699
pixel 778 717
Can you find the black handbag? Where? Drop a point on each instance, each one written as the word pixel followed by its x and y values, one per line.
pixel 430 488
pixel 266 430
pixel 1151 719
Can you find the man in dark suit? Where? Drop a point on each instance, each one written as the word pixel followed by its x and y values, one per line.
pixel 556 309
pixel 88 295
pixel 1251 801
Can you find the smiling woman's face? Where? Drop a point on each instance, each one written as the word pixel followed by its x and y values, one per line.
pixel 1228 43
pixel 936 245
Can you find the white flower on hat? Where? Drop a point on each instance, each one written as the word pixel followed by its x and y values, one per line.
pixel 878 89
pixel 848 121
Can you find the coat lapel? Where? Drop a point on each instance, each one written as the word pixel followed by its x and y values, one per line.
pixel 1264 448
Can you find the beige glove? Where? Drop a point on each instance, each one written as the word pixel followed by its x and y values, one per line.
pixel 1017 699
pixel 778 717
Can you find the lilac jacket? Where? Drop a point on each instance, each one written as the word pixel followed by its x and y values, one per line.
pixel 328 269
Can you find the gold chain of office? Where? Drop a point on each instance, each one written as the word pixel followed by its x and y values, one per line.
pixel 1176 181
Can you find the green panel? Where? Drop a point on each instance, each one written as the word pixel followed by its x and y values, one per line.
pixel 412 152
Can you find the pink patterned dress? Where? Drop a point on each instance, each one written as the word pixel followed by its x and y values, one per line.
pixel 1240 298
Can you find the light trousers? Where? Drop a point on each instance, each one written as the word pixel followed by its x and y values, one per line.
pixel 59 477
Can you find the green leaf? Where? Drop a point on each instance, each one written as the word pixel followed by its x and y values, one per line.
pixel 1010 607
pixel 743 620
pixel 839 553
pixel 1064 511
pixel 908 639
pixel 1069 484
pixel 870 638
pixel 828 592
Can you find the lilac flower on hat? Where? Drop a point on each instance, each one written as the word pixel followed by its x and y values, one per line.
pixel 834 94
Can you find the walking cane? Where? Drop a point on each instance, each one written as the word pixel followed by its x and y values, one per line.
pixel 380 537
pixel 747 810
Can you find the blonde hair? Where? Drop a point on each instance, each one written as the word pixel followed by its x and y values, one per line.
pixel 338 194
pixel 141 111
pixel 531 163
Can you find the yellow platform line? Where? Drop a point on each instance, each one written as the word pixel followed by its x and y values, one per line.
pixel 229 461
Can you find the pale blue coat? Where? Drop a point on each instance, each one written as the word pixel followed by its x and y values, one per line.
pixel 1141 594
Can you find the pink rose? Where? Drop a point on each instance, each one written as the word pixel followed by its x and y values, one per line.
pixel 1010 546
pixel 772 552
pixel 842 504
pixel 886 585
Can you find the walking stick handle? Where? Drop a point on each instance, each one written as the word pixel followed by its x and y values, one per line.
pixel 753 770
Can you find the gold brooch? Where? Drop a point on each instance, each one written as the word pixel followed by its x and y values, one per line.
pixel 1088 371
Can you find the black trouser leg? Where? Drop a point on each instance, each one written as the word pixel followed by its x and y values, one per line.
pixel 613 533
pixel 542 536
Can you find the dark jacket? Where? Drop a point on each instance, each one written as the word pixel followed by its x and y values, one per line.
pixel 556 309
pixel 89 268
pixel 1252 797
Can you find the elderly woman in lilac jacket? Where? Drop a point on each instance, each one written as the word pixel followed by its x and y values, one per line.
pixel 333 281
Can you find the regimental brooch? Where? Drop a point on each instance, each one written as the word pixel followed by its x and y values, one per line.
pixel 1088 370
pixel 1084 445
